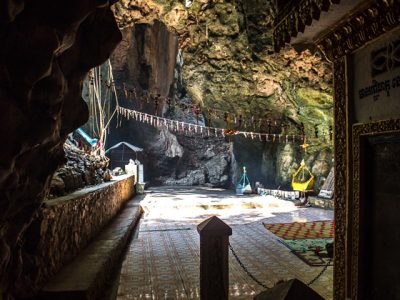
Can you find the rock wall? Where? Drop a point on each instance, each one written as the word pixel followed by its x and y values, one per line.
pixel 65 225
pixel 146 64
pixel 205 161
pixel 229 65
pixel 81 169
pixel 273 164
pixel 47 49
pixel 145 60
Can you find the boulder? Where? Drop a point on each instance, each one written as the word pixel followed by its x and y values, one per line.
pixel 287 162
pixel 118 171
pixel 107 176
pixel 217 169
pixel 81 169
pixel 195 177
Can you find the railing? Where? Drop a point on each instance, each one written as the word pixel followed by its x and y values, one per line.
pixel 214 263
pixel 291 195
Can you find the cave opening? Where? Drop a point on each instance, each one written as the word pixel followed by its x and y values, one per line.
pixel 183 96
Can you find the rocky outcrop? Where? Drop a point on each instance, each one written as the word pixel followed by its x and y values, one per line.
pixel 145 60
pixel 80 170
pixel 198 167
pixel 143 66
pixel 287 163
pixel 171 158
pixel 47 49
pixel 172 148
pixel 216 169
pixel 192 178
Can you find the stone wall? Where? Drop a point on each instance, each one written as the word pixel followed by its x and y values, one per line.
pixel 65 225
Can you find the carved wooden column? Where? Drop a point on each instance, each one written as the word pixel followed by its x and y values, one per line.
pixel 341 138
pixel 214 265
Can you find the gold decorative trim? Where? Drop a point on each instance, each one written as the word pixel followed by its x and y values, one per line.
pixel 295 19
pixel 375 19
pixel 368 23
pixel 361 131
pixel 340 156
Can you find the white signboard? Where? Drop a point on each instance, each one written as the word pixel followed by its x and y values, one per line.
pixel 376 79
pixel 141 175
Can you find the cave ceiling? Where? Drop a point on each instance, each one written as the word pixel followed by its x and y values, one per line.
pixel 229 62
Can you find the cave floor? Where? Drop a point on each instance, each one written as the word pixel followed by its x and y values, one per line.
pixel 162 261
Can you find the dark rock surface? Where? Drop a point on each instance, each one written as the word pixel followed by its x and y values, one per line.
pixel 81 169
pixel 47 49
pixel 205 161
pixel 145 63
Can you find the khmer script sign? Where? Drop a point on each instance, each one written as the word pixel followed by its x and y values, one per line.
pixel 376 79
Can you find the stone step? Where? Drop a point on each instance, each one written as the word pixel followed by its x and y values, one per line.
pixel 321 202
pixel 84 277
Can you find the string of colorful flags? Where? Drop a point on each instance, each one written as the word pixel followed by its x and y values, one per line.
pixel 229 117
pixel 204 131
pixel 266 125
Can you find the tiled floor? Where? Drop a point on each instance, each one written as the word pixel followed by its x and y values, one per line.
pixel 163 261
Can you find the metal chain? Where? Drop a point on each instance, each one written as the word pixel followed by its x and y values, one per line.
pixel 265 286
pixel 320 273
pixel 246 270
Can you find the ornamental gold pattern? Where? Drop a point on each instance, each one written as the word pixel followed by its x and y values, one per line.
pixel 371 20
pixel 374 19
pixel 340 156
pixel 296 18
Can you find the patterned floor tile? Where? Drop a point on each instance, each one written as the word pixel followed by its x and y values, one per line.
pixel 163 262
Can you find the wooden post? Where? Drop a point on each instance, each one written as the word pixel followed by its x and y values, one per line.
pixel 214 265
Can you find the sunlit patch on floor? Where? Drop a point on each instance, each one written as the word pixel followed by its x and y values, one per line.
pixel 163 262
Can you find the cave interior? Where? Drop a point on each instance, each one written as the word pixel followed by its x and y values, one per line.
pixel 202 94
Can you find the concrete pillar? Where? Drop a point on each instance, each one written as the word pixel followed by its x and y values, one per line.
pixel 214 256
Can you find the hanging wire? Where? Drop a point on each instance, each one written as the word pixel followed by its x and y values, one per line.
pixel 101 89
